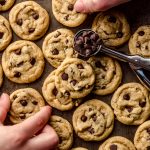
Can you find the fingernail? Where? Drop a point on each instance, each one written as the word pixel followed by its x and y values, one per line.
pixel 79 6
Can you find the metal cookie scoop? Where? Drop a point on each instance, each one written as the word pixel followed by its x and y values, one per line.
pixel 87 43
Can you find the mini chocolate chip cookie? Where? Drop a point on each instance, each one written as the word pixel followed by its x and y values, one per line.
pixel 29 20
pixel 5 33
pixel 58 45
pixel 131 104
pixel 108 74
pixel 6 4
pixel 79 148
pixel 24 104
pixel 55 98
pixel 76 77
pixel 65 13
pixel 112 27
pixel 117 143
pixel 93 120
pixel 139 43
pixel 142 137
pixel 64 130
pixel 1 75
pixel 23 62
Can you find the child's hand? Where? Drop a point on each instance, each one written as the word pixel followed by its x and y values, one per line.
pixel 96 5
pixel 22 136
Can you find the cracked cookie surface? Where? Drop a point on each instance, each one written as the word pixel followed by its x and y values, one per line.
pixel 58 45
pixel 76 77
pixel 131 104
pixel 139 43
pixel 64 130
pixel 117 143
pixel 65 13
pixel 29 20
pixel 112 27
pixel 24 104
pixel 1 75
pixel 6 4
pixel 23 62
pixel 142 137
pixel 93 120
pixel 5 33
pixel 108 74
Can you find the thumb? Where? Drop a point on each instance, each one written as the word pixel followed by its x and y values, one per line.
pixel 96 5
pixel 4 106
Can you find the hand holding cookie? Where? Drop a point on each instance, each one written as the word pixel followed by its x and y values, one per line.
pixel 31 134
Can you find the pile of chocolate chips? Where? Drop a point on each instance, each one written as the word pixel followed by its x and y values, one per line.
pixel 87 43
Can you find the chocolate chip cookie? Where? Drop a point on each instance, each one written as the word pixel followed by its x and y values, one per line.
pixel 142 137
pixel 1 75
pixel 64 130
pixel 65 13
pixel 23 62
pixel 29 20
pixel 55 98
pixel 58 45
pixel 112 27
pixel 5 33
pixel 117 143
pixel 108 74
pixel 131 104
pixel 139 43
pixel 6 4
pixel 24 104
pixel 75 77
pixel 79 148
pixel 93 120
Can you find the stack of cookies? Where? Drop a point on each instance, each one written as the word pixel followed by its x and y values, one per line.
pixel 74 78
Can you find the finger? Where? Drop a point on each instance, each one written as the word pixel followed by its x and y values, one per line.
pixel 32 125
pixel 96 5
pixel 46 140
pixel 4 106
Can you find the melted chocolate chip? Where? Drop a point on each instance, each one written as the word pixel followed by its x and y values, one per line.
pixel 148 148
pixel 15 96
pixel 55 91
pixel 70 7
pixel 129 108
pixel 98 64
pixel 18 51
pixel 23 102
pixel 17 74
pixel 2 2
pixel 148 130
pixel 113 147
pixel 67 93
pixel 94 117
pixel 103 87
pixel 141 33
pixel 91 130
pixel 55 51
pixel 31 30
pixel 66 17
pixel 23 117
pixel 83 118
pixel 74 82
pixel 35 102
pixel 111 19
pixel 57 35
pixel 20 64
pixel 142 104
pixel 35 15
pixel 146 47
pixel 64 76
pixel 138 45
pixel 80 66
pixel 60 140
pixel 1 35
pixel 126 97
pixel 32 61
pixel 19 22
pixel 119 34
pixel 90 109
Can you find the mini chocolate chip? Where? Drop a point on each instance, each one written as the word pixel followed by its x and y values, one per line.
pixel 20 64
pixel 19 22
pixel 148 130
pixel 91 130
pixel 142 104
pixel 17 74
pixel 23 102
pixel 1 35
pixel 23 117
pixel 94 117
pixel 60 140
pixel 103 87
pixel 3 2
pixel 141 33
pixel 31 30
pixel 126 97
pixel 15 96
pixel 66 17
pixel 79 42
pixel 35 102
pixel 32 61
pixel 80 66
pixel 94 37
pixel 119 34
pixel 67 93
pixel 129 108
pixel 90 109
pixel 83 118
pixel 55 51
pixel 64 76
pixel 35 15
pixel 55 91
pixel 98 64
pixel 57 35
pixel 67 41
pixel 138 45
pixel 74 82
pixel 113 147
pixel 146 47
pixel 18 51
pixel 70 7
pixel 111 19
pixel 87 40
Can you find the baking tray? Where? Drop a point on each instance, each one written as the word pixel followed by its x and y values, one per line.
pixel 138 13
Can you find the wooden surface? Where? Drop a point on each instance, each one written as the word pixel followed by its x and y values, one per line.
pixel 138 13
